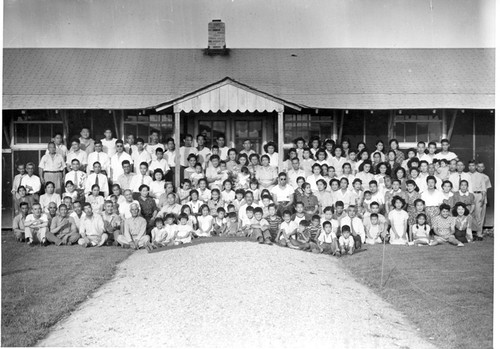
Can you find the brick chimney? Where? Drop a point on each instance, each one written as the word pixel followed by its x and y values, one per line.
pixel 216 35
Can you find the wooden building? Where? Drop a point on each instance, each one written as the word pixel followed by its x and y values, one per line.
pixel 257 94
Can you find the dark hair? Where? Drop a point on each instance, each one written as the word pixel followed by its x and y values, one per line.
pixel 422 215
pixel 221 209
pixel 304 223
pixel 328 208
pixel 398 198
pixel 346 228
pixel 316 217
pixel 374 215
pixel 325 223
pixel 258 210
pixel 460 204
pixel 287 212
pixel 444 207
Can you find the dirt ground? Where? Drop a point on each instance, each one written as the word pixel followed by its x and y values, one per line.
pixel 235 294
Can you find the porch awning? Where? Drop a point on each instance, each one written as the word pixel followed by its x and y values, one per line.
pixel 227 95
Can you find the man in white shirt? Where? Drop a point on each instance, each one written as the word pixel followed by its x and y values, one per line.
pixel 169 154
pixel 202 152
pixel 444 153
pixel 154 142
pixel 295 172
pixel 421 155
pixel 487 184
pixel 51 167
pixel 76 153
pixel 282 194
pixel 422 177
pixel 141 178
pixel 76 176
pixel 36 225
pixel 91 228
pixel 141 155
pixel 30 181
pixel 458 176
pixel 61 149
pixel 116 161
pixel 97 178
pixel 242 212
pixel 99 156
pixel 159 163
pixel 125 179
pixel 184 152
pixel 108 143
pixel 77 214
pixel 356 226
pixel 222 148
pixel 124 208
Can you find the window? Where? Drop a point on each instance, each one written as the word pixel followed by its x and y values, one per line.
pixel 251 130
pixel 36 128
pixel 212 129
pixel 307 126
pixel 142 125
pixel 415 128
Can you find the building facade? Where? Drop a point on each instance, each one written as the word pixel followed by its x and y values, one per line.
pixel 258 94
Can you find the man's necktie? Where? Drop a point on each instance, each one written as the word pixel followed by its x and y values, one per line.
pixel 142 180
pixel 352 228
pixel 76 179
pixel 96 179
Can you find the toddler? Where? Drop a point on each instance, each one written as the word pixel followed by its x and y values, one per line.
pixel 220 221
pixel 197 175
pixel 205 223
pixel 374 230
pixel 254 188
pixel 231 227
pixel 327 241
pixel 184 230
pixel 184 191
pixel 243 178
pixel 443 171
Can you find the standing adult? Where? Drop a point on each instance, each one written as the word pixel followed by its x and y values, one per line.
pixel 97 177
pixel 445 153
pixel 117 160
pixel 223 149
pixel 77 153
pixel 294 173
pixel 61 148
pixel 478 188
pixel 91 228
pixel 108 143
pixel 63 228
pixel 433 198
pixel 487 184
pixel 31 181
pixel 421 155
pixel 125 179
pixel 51 167
pixel 134 230
pixel 154 142
pixel 400 156
pixel 142 155
pixel 202 152
pixel 86 143
pixel 184 153
pixel 101 157
pixel 458 176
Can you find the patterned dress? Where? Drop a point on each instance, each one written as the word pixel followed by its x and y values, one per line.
pixel 412 213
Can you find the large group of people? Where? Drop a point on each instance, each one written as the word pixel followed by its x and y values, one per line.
pixel 321 196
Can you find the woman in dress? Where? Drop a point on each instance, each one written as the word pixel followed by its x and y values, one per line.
pixel 266 174
pixel 148 206
pixel 270 150
pixel 394 145
pixel 463 223
pixel 433 198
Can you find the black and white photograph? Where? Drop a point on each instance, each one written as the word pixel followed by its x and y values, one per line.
pixel 248 173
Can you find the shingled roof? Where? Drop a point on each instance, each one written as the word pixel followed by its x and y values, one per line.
pixel 343 78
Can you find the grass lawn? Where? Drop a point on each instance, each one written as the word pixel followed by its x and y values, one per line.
pixel 446 291
pixel 41 285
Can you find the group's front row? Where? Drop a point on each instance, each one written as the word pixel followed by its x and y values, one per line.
pixel 336 232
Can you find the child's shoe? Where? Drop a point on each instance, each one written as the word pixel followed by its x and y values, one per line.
pixel 460 244
pixel 268 241
pixel 260 240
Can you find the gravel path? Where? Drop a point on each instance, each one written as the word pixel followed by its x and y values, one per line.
pixel 234 294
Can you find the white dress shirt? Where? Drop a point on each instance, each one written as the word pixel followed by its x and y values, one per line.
pixel 100 157
pixel 102 182
pixel 116 164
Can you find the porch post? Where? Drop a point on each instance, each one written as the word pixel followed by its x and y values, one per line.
pixel 335 128
pixel 281 139
pixel 177 141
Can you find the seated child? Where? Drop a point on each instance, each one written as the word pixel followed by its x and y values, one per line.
pixel 299 212
pixel 367 200
pixel 254 188
pixel 243 178
pixel 22 197
pixel 227 195
pixel 260 228
pixel 303 238
pixel 315 228
pixel 239 199
pixel 274 221
pixel 219 221
pixel 266 201
pixel 374 230
pixel 70 190
pixel 287 229
pixel 327 240
pixel 346 241
pixel 421 231
pixel 231 227
pixel 195 204
pixel 160 235
pixel 205 223
pixel 329 216
pixel 184 230
pixel 247 221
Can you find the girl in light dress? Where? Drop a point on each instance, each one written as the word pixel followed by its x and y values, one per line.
pixel 205 222
pixel 183 191
pixel 420 231
pixel 192 221
pixel 157 187
pixel 228 195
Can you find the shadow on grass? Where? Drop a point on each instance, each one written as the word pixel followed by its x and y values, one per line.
pixel 42 285
pixel 447 292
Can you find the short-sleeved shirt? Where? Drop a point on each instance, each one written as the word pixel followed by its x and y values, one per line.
pixel 442 227
pixel 435 198
pixel 289 227
pixel 309 201
pixel 326 238
pixel 80 155
pixel 52 164
pixel 283 194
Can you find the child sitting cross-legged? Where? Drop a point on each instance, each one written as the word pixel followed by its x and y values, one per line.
pixel 287 229
pixel 232 225
pixel 303 239
pixel 421 231
pixel 205 222
pixel 260 228
pixel 327 240
pixel 374 230
pixel 346 241
pixel 220 222
pixel 247 221
pixel 274 221
pixel 161 235
pixel 184 230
